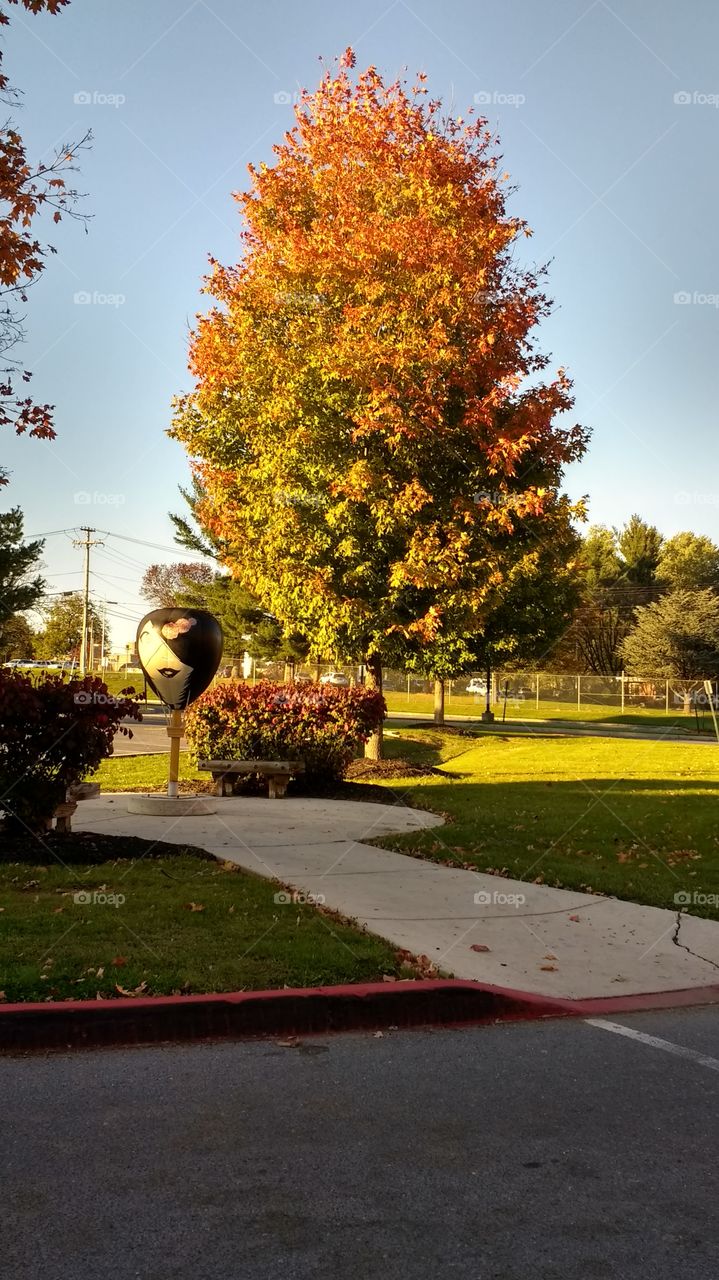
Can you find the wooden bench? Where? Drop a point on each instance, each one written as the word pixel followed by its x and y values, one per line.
pixel 277 772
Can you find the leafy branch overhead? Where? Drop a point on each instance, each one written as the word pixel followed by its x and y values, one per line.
pixel 28 192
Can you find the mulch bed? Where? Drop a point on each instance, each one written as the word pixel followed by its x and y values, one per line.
pixel 84 847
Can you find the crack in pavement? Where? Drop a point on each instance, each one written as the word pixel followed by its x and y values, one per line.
pixel 683 945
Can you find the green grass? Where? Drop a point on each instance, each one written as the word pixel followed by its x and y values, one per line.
pixel 528 709
pixel 123 773
pixel 636 819
pixel 52 947
pixel 639 820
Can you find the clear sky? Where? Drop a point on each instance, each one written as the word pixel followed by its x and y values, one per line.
pixel 609 120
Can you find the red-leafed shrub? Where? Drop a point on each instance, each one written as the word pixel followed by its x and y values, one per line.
pixel 318 724
pixel 53 733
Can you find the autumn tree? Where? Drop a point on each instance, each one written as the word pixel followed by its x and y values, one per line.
pixel 246 626
pixel 27 192
pixel 370 420
pixel 164 584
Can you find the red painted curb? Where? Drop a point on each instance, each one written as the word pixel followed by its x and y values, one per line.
pixel 96 1023
pixel 304 1011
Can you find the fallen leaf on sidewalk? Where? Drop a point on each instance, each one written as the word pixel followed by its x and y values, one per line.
pixel 574 919
pixel 378 1035
pixel 479 946
pixel 549 956
pixel 549 968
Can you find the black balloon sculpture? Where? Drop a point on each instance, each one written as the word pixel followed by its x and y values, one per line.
pixel 179 651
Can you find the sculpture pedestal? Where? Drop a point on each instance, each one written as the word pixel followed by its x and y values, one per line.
pixel 162 806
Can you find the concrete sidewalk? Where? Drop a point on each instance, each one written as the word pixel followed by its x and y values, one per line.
pixel 538 939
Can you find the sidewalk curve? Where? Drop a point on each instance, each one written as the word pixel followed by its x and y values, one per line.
pixel 529 937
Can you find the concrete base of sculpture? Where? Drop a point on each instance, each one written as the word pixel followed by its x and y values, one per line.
pixel 164 806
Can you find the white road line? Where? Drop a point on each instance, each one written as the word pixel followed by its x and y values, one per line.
pixel 678 1050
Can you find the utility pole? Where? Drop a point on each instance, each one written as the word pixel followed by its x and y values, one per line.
pixel 86 543
pixel 105 603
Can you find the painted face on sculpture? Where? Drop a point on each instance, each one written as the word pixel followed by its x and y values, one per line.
pixel 179 651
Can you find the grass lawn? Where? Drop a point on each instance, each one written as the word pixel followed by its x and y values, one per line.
pixel 528 709
pixel 636 819
pixel 129 773
pixel 180 922
pixel 639 820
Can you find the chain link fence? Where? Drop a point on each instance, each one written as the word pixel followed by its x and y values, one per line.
pixel 529 689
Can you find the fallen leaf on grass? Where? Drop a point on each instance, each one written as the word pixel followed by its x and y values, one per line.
pixel 479 946
pixel 388 977
pixel 119 961
pixel 138 991
pixel 194 906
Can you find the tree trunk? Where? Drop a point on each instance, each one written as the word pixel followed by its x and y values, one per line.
pixel 488 714
pixel 373 680
pixel 439 702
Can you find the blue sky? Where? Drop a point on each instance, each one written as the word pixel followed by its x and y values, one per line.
pixel 609 120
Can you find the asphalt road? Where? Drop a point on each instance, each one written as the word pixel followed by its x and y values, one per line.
pixel 536 1151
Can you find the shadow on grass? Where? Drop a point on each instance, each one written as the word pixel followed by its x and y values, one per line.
pixel 645 840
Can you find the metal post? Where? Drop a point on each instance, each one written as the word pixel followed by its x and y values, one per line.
pixel 579 693
pixel 408 680
pixel 622 678
pixel 174 733
pixel 666 698
pixel 537 697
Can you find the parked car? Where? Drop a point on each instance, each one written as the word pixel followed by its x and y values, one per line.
pixel 301 677
pixel 336 678
pixel 477 685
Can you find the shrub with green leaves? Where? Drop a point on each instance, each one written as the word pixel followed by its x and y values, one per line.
pixel 319 724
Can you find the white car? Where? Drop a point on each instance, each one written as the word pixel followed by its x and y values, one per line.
pixel 336 678
pixel 477 685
